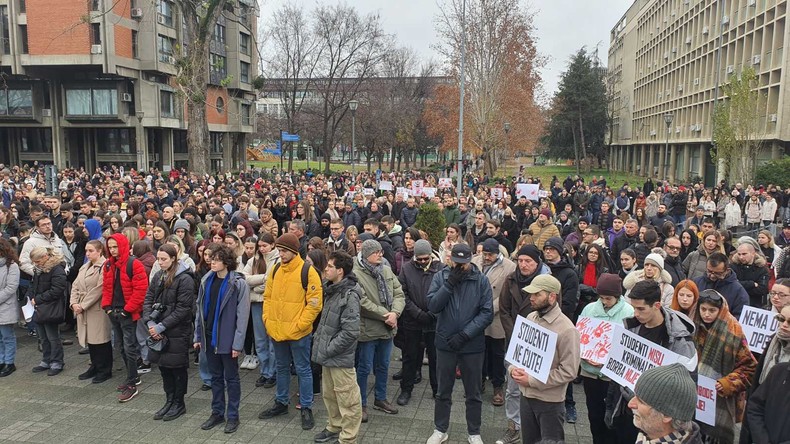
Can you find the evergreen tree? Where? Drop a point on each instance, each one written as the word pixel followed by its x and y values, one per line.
pixel 431 220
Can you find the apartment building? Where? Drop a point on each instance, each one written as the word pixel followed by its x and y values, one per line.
pixel 668 59
pixel 87 83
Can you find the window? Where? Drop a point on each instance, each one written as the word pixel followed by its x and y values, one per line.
pixel 36 140
pixel 165 46
pixel 244 72
pixel 115 141
pixel 218 67
pixel 6 31
pixel 216 143
pixel 135 45
pixel 16 102
pixel 95 5
pixel 244 43
pixel 220 105
pixel 245 114
pixel 23 38
pixel 167 106
pixel 180 142
pixel 219 33
pixel 165 10
pixel 91 102
pixel 95 33
pixel 22 6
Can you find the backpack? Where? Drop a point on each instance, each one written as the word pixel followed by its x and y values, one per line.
pixel 129 265
pixel 305 271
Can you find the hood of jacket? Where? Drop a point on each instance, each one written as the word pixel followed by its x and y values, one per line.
pixel 396 230
pixel 123 248
pixel 565 262
pixel 347 283
pixel 94 229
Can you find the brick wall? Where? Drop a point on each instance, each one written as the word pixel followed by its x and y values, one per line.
pixel 212 115
pixel 123 41
pixel 58 27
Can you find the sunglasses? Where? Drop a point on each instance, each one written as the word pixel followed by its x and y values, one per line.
pixel 710 296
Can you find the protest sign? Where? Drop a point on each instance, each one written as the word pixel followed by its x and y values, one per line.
pixel 416 187
pixel 497 193
pixel 403 191
pixel 706 400
pixel 385 185
pixel 530 190
pixel 429 191
pixel 596 338
pixel 532 348
pixel 368 191
pixel 445 182
pixel 632 355
pixel 758 326
pixel 543 193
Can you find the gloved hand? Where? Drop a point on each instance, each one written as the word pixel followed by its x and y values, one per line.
pixel 456 275
pixel 457 341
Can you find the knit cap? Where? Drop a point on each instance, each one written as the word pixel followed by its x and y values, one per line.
pixel 655 259
pixel 182 224
pixel 669 390
pixel 490 245
pixel 610 285
pixel 531 251
pixel 289 241
pixel 369 247
pixel 422 248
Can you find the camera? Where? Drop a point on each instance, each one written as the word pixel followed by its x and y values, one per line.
pixel 156 311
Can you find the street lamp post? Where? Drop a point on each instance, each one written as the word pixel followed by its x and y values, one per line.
pixel 668 120
pixel 352 105
pixel 461 103
pixel 507 138
pixel 140 135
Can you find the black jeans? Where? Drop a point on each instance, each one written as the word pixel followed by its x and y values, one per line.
pixel 541 421
pixel 416 343
pixel 125 331
pixel 595 394
pixel 51 345
pixel 471 366
pixel 174 382
pixel 101 358
pixel 494 362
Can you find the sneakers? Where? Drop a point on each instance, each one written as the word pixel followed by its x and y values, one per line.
pixel 385 407
pixel 570 414
pixel 54 371
pixel 271 382
pixel 499 397
pixel 326 436
pixel 143 368
pixel 128 393
pixel 474 439
pixel 307 419
pixel 40 368
pixel 438 438
pixel 254 362
pixel 276 410
pixel 245 363
pixel 136 381
pixel 512 434
pixel 403 398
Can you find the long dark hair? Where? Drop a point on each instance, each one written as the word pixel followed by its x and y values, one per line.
pixel 171 251
pixel 258 261
pixel 599 264
pixel 8 252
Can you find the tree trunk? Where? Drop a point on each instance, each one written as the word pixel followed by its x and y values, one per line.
pixel 576 152
pixel 198 139
pixel 392 158
pixel 583 143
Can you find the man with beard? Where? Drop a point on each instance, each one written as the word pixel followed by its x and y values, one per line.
pixel 672 263
pixel 477 232
pixel 604 219
pixel 721 278
pixel 661 217
pixel 513 303
pixel 543 229
pixel 373 227
pixel 493 232
pixel 417 323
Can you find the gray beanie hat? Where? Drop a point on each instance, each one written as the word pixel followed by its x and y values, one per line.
pixel 422 247
pixel 369 247
pixel 181 223
pixel 669 390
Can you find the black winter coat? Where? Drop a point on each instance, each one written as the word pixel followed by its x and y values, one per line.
pixel 675 269
pixel 48 290
pixel 621 243
pixel 565 272
pixel 416 282
pixel 177 318
pixel 748 276
pixel 513 302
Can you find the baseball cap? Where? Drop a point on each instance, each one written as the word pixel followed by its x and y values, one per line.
pixel 461 254
pixel 543 282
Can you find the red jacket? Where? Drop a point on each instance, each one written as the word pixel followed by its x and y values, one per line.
pixel 134 289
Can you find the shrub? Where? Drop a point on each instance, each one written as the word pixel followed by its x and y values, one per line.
pixel 775 172
pixel 431 220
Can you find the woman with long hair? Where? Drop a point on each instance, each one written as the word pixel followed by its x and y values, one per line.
pixel 9 310
pixel 144 251
pixel 9 226
pixel 47 293
pixel 769 249
pixel 235 244
pixel 685 298
pixel 160 234
pixel 640 216
pixel 695 263
pixel 452 238
pixel 167 313
pixel 93 325
pixel 352 233
pixel 689 241
pixel 724 356
pixel 591 265
pixel 403 256
pixel 114 224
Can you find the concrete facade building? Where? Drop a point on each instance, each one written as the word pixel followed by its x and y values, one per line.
pixel 91 83
pixel 670 58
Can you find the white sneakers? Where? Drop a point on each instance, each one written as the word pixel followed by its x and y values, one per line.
pixel 438 438
pixel 250 362
pixel 475 439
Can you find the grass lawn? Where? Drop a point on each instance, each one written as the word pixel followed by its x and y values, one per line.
pixel 614 178
pixel 300 165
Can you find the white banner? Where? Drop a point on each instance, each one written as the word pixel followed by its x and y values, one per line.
pixel 532 348
pixel 632 355
pixel 596 338
pixel 429 191
pixel 445 182
pixel 758 326
pixel 403 191
pixel 385 185
pixel 368 191
pixel 497 193
pixel 706 400
pixel 416 187
pixel 530 190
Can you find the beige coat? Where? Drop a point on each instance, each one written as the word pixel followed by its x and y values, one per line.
pixel 497 277
pixel 93 325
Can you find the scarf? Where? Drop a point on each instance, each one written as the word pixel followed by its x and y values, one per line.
pixel 206 302
pixel 590 275
pixel 778 351
pixel 488 268
pixel 676 437
pixel 378 271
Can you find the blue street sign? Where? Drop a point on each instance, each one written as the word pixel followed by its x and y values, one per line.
pixel 286 137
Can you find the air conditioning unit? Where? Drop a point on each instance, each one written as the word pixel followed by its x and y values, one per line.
pixel 725 20
pixel 688 40
pixel 126 97
pixel 95 49
pixel 666 55
pixel 137 12
pixel 696 81
pixel 772 118
pixel 46 112
pixel 171 60
pixel 698 127
pixel 704 30
pixel 680 88
pixel 756 60
pixel 160 19
pixel 652 132
pixel 752 2
pixel 730 69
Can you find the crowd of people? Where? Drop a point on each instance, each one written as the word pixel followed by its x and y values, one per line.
pixel 320 277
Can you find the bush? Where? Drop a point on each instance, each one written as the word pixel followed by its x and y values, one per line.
pixel 775 172
pixel 431 220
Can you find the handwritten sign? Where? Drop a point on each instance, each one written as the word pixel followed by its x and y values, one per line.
pixel 758 326
pixel 532 348
pixel 385 185
pixel 632 355
pixel 543 193
pixel 596 338
pixel 368 191
pixel 416 187
pixel 403 192
pixel 497 193
pixel 706 400
pixel 530 190
pixel 445 182
pixel 429 191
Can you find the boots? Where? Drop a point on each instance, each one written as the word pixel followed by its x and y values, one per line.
pixel 165 409
pixel 177 409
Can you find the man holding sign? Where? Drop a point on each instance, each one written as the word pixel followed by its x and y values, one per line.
pixel 543 402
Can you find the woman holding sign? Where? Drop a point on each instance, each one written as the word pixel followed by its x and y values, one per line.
pixel 724 356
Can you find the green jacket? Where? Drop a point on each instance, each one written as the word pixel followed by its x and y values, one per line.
pixel 452 215
pixel 372 308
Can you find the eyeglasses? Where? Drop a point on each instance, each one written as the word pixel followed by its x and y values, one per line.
pixel 778 295
pixel 672 247
pixel 587 233
pixel 717 273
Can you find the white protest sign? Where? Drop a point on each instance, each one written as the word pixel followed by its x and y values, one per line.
pixel 530 190
pixel 632 355
pixel 543 193
pixel 595 338
pixel 532 348
pixel 416 187
pixel 497 193
pixel 368 191
pixel 445 182
pixel 758 326
pixel 429 191
pixel 706 400
pixel 385 185
pixel 403 191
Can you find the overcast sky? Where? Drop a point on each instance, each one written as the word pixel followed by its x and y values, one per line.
pixel 563 26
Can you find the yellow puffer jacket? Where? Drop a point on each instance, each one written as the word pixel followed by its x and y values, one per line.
pixel 289 310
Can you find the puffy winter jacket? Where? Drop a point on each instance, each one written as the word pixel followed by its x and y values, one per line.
pixel 133 288
pixel 176 321
pixel 753 279
pixel 416 282
pixel 372 308
pixel 408 216
pixel 730 288
pixel 565 272
pixel 335 339
pixel 288 309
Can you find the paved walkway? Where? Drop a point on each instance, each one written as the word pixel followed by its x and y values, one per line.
pixel 62 409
